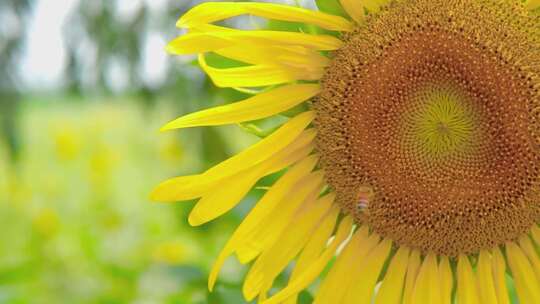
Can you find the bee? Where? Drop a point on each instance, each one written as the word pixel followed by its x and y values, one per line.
pixel 365 195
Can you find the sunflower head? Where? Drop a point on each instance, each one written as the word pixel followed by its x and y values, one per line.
pixel 435 107
pixel 419 155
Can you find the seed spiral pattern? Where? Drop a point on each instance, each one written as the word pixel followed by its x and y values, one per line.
pixel 434 108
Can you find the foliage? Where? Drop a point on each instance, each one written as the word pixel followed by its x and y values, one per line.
pixel 77 227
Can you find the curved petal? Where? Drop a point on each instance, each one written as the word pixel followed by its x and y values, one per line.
pixel 336 283
pixel 215 11
pixel 210 38
pixel 427 289
pixel 250 76
pixel 447 280
pixel 289 56
pixel 369 269
pixel 392 285
pixel 194 186
pixel 374 6
pixel 527 285
pixel 316 244
pixel 272 261
pixel 485 278
pixel 255 75
pixel 528 248
pixel 467 288
pixel 354 9
pixel 316 268
pixel 230 191
pixel 499 276
pixel 268 231
pixel 413 267
pixel 262 209
pixel 259 106
pixel 532 4
pixel 535 233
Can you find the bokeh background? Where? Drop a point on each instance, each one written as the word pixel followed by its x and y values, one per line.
pixel 84 88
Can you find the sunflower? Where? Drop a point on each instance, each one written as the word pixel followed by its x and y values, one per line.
pixel 413 173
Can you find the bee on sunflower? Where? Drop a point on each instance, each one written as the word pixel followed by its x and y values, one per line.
pixel 416 165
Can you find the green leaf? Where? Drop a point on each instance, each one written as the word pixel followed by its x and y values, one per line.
pixel 305 297
pixel 303 107
pixel 277 25
pixel 255 130
pixel 331 7
pixel 221 62
pixel 263 127
pixel 17 272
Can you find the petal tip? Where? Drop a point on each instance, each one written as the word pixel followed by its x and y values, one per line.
pixel 195 220
pixel 156 196
pixel 181 23
pixel 169 48
pixel 165 128
pixel 171 126
pixel 211 284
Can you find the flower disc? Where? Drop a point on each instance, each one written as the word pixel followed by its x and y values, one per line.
pixel 429 124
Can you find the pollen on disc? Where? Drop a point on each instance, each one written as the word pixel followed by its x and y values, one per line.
pixel 434 107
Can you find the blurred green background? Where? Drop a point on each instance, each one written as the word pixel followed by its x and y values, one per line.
pixel 84 88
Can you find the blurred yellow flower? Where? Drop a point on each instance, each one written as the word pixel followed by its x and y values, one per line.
pixel 173 252
pixel 66 143
pixel 102 162
pixel 46 222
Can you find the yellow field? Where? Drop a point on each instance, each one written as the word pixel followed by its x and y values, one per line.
pixel 77 226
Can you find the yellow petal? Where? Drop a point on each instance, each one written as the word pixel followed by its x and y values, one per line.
pixel 316 244
pixel 354 9
pixel 427 289
pixel 257 107
pixel 212 38
pixel 529 250
pixel 535 232
pixel 269 231
pixel 392 285
pixel 499 276
pixel 194 43
pixel 527 284
pixel 194 186
pixel 254 75
pixel 366 273
pixel 374 5
pixel 485 278
pixel 272 261
pixel 181 188
pixel 215 11
pixel 304 61
pixel 532 4
pixel 435 286
pixel 447 280
pixel 413 267
pixel 230 191
pixel 267 147
pixel 262 209
pixel 224 197
pixel 297 57
pixel 467 289
pixel 273 38
pixel 335 284
pixel 308 276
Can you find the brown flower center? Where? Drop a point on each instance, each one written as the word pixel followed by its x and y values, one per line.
pixel 429 124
